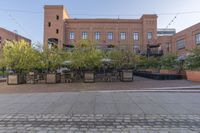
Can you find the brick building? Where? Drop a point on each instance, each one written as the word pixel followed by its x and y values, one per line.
pixel 134 34
pixel 6 35
pixel 61 30
pixel 182 41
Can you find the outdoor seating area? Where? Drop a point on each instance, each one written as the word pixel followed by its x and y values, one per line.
pixel 85 63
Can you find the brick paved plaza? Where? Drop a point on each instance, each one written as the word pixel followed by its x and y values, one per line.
pixel 138 84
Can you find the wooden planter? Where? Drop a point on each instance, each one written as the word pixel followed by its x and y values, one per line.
pixel 89 77
pixel 168 71
pixel 15 79
pixel 127 75
pixel 52 78
pixel 193 75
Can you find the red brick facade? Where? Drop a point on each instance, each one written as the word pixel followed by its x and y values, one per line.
pixel 119 32
pixel 6 35
pixel 132 34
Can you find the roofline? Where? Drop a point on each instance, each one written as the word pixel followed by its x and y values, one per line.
pixel 15 34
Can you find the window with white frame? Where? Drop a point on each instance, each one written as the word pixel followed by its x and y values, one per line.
pixel 71 35
pixel 180 44
pixel 97 35
pixel 84 35
pixel 110 35
pixel 149 35
pixel 197 39
pixel 122 36
pixel 135 36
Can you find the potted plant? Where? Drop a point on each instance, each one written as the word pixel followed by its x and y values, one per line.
pixel 85 59
pixel 192 65
pixel 169 64
pixel 124 61
pixel 52 59
pixel 19 57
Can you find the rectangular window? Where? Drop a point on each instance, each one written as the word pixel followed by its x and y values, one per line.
pixel 180 44
pixel 135 36
pixel 110 35
pixel 49 24
pixel 149 35
pixel 71 35
pixel 197 39
pixel 97 35
pixel 57 31
pixel 84 35
pixel 57 17
pixel 122 36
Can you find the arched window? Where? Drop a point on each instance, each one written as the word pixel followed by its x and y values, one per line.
pixel 53 42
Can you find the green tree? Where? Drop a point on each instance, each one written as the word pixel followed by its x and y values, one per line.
pixel 193 60
pixel 86 56
pixel 169 62
pixel 19 56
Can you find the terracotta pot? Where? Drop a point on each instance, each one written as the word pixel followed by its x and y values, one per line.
pixel 193 75
pixel 168 71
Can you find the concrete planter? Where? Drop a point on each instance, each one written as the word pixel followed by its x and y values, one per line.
pixel 168 72
pixel 52 78
pixel 89 77
pixel 15 79
pixel 193 75
pixel 127 75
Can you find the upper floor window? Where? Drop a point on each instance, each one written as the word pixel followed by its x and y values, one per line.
pixel 197 39
pixel 57 31
pixel 57 17
pixel 180 44
pixel 110 35
pixel 84 35
pixel 149 35
pixel 122 36
pixel 97 35
pixel 135 36
pixel 71 35
pixel 49 24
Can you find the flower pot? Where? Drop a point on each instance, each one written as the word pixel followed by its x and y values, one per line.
pixel 193 75
pixel 52 78
pixel 168 72
pixel 89 77
pixel 15 79
pixel 127 75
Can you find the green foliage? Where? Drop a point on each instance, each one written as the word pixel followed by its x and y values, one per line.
pixel 148 63
pixel 193 60
pixel 123 59
pixel 53 58
pixel 19 56
pixel 169 62
pixel 86 56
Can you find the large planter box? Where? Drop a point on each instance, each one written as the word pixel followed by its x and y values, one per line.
pixel 89 77
pixel 127 75
pixel 168 71
pixel 193 75
pixel 15 79
pixel 152 70
pixel 52 78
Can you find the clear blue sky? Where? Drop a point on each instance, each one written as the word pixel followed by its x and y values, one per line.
pixel 30 23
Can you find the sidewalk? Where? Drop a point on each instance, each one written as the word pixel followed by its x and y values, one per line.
pixel 100 112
